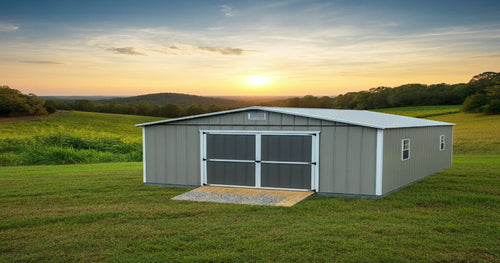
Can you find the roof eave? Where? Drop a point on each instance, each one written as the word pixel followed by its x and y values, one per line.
pixel 284 111
pixel 197 116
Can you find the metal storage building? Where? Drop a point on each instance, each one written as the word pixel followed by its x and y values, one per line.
pixel 337 152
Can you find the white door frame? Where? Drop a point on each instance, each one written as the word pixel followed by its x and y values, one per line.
pixel 314 155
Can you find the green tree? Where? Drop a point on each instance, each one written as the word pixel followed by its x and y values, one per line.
pixel 325 102
pixel 130 109
pixel 493 94
pixel 194 109
pixel 14 103
pixel 143 108
pixel 111 107
pixel 345 101
pixel 156 111
pixel 363 100
pixel 86 105
pixel 474 103
pixel 214 108
pixel 171 110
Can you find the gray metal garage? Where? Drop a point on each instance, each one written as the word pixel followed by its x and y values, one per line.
pixel 338 152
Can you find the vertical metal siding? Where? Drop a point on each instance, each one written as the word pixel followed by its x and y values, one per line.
pixel 348 160
pixel 171 154
pixel 354 159
pixel 193 157
pixel 327 159
pixel 368 161
pixel 347 154
pixel 425 155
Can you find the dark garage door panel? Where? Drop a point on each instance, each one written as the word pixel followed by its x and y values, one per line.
pixel 228 146
pixel 287 148
pixel 297 176
pixel 231 173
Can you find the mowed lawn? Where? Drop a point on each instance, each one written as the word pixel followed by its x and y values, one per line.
pixel 103 212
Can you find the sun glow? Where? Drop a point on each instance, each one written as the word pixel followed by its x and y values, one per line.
pixel 258 80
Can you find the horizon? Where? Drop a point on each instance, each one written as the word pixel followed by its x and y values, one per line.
pixel 218 96
pixel 242 48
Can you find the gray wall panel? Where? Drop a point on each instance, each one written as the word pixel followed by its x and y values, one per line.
pixel 425 156
pixel 161 151
pixel 150 153
pixel 171 154
pixel 182 155
pixel 193 157
pixel 368 161
pixel 327 157
pixel 354 159
pixel 340 159
pixel 347 160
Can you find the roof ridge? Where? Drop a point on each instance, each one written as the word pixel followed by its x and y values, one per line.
pixel 366 118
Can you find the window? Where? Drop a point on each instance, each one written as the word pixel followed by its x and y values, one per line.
pixel 257 116
pixel 405 149
pixel 441 142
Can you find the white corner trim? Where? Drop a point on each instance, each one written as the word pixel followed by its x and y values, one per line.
pixel 316 155
pixel 258 158
pixel 379 162
pixel 203 164
pixel 144 154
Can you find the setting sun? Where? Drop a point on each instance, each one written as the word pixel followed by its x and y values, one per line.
pixel 258 80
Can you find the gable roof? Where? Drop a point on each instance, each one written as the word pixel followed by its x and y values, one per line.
pixel 354 117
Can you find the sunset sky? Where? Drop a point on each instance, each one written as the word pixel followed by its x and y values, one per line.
pixel 294 47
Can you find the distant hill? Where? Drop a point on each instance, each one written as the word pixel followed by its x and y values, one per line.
pixel 73 98
pixel 182 99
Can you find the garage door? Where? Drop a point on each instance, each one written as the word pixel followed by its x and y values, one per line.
pixel 278 160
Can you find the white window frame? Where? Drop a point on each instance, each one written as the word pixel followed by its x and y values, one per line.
pixel 257 116
pixel 403 149
pixel 258 134
pixel 442 142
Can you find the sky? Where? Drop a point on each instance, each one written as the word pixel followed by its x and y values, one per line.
pixel 267 48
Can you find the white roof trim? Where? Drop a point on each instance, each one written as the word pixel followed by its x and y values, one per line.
pixel 354 117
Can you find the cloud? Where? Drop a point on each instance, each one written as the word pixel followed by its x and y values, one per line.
pixel 485 57
pixel 8 27
pixel 224 50
pixel 181 49
pixel 228 11
pixel 125 51
pixel 46 62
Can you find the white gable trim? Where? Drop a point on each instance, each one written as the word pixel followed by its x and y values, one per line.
pixel 363 118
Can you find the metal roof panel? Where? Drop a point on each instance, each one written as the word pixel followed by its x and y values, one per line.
pixel 354 117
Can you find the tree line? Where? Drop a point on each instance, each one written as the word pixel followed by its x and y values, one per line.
pixel 480 94
pixel 13 103
pixel 169 110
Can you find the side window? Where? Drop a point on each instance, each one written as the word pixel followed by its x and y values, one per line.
pixel 441 142
pixel 405 149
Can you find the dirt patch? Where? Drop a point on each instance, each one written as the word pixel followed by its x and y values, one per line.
pixel 29 118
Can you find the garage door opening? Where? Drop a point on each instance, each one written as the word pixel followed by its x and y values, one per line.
pixel 260 159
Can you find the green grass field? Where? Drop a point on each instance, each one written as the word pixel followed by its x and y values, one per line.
pixel 473 133
pixel 422 111
pixel 74 137
pixel 103 212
